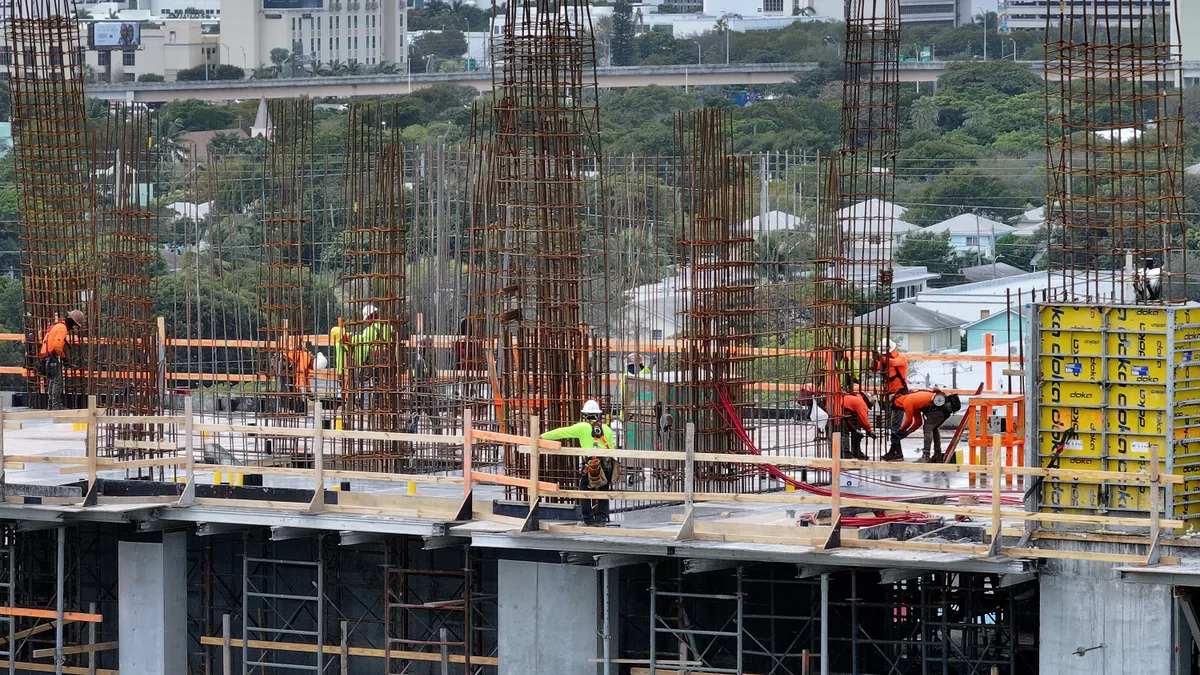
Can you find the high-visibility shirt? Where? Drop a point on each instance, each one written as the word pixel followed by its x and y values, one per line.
pixel 642 372
pixel 372 344
pixel 339 348
pixel 302 361
pixel 856 406
pixel 913 404
pixel 894 367
pixel 582 432
pixel 55 341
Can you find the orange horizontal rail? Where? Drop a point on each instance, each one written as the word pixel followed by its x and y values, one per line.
pixel 50 614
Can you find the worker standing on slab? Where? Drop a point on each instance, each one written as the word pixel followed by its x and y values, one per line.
pixel 927 410
pixel 338 343
pixel 373 352
pixel 634 365
pixel 54 353
pixel 856 423
pixel 599 472
pixel 894 367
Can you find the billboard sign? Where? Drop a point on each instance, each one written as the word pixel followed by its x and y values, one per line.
pixel 116 35
pixel 293 4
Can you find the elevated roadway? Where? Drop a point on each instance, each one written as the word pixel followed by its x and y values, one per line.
pixel 733 75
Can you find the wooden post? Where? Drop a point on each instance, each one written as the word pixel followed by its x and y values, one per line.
pixel 987 351
pixel 1153 558
pixel 997 478
pixel 689 468
pixel 344 661
pixel 318 451
pixel 535 460
pixel 93 440
pixel 468 453
pixel 226 649
pixel 92 641
pixel 835 487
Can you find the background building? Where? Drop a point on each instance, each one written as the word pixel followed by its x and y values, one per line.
pixel 1024 14
pixel 167 47
pixel 365 31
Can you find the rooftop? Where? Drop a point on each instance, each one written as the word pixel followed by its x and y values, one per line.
pixel 909 318
pixel 971 224
pixel 996 270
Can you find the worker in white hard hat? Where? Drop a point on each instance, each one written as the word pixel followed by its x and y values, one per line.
pixel 599 472
pixel 373 350
pixel 894 367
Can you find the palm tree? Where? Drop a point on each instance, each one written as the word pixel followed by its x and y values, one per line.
pixel 168 139
pixel 925 113
pixel 263 72
pixel 354 67
pixel 337 67
pixel 386 68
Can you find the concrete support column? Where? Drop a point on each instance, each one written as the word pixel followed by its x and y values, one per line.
pixel 549 618
pixel 1092 623
pixel 153 605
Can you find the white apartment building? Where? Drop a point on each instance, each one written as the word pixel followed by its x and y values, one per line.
pixel 1024 14
pixel 366 31
pixel 167 47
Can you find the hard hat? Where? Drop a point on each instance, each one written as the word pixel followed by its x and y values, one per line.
pixel 591 407
pixel 887 346
pixel 76 316
pixel 368 311
pixel 867 399
pixel 322 361
pixel 631 358
pixel 335 333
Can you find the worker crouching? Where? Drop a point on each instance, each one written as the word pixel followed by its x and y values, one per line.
pixel 855 423
pixel 599 473
pixel 928 411
pixel 53 354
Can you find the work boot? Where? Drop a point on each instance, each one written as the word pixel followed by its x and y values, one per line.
pixel 861 455
pixel 937 458
pixel 924 457
pixel 893 455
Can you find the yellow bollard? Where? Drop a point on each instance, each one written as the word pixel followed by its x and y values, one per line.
pixel 78 426
pixel 789 488
pixel 217 476
pixel 412 487
pixel 337 424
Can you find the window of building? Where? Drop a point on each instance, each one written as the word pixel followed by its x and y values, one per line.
pixel 337 43
pixel 130 77
pixel 318 23
pixel 5 56
pixel 772 5
pixel 129 58
pixel 330 44
pixel 972 241
pixel 901 293
pixel 56 55
pixel 171 37
pixel 312 45
pixel 104 58
pixel 293 23
pixel 355 22
pixel 656 335
pixel 30 57
pixel 81 57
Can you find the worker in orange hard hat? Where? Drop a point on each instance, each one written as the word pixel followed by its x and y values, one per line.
pixel 54 352
pixel 894 367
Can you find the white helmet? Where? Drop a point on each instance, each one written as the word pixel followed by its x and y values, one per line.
pixel 368 310
pixel 591 407
pixel 631 358
pixel 887 347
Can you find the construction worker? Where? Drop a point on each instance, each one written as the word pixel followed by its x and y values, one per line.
pixel 634 365
pixel 54 352
pixel 598 472
pixel 423 387
pixel 301 359
pixel 855 423
pixel 337 339
pixel 894 367
pixel 927 410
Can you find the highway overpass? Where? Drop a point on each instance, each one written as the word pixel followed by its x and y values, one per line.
pixel 734 75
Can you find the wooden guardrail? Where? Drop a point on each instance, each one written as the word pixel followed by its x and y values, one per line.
pixel 187 428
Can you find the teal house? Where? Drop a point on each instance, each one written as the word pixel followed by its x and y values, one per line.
pixel 999 325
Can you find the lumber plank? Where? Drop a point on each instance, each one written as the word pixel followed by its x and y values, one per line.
pixel 1084 555
pixel 341 475
pixel 50 614
pixel 216 641
pixel 513 481
pixel 40 628
pixel 54 415
pixel 76 649
pixel 169 446
pixel 614 531
pixel 49 668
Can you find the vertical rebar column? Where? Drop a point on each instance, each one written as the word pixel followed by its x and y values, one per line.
pixel 536 294
pixel 717 254
pixel 374 281
pixel 1114 154
pixel 285 257
pixel 51 149
pixel 857 245
pixel 126 163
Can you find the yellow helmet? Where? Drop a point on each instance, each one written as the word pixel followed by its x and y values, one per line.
pixel 335 333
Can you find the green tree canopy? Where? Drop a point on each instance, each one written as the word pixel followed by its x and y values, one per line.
pixel 981 79
pixel 931 250
pixel 442 45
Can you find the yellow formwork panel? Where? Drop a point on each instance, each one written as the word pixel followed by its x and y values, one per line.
pixel 1135 421
pixel 1081 343
pixel 1067 317
pixel 1064 417
pixel 1074 394
pixel 1134 345
pixel 1137 319
pixel 1149 371
pixel 1152 396
pixel 1071 368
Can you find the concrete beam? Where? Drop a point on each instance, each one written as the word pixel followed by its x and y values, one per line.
pixel 612 561
pixel 1009 580
pixel 804 571
pixel 701 565
pixel 286 533
pixel 447 541
pixel 351 538
pixel 893 575
pixel 214 529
